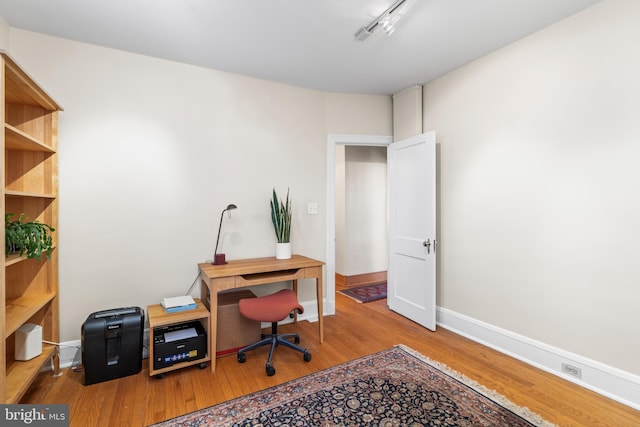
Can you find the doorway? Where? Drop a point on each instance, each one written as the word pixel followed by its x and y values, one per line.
pixel 361 216
pixel 333 141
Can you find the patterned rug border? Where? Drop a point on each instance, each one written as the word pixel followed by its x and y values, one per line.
pixel 501 400
pixel 521 411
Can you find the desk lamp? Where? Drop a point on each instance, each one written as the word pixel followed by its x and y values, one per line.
pixel 219 259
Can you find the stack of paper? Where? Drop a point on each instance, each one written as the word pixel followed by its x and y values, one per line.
pixel 181 303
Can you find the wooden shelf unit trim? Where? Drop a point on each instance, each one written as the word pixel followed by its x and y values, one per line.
pixel 20 374
pixel 16 258
pixel 158 317
pixel 20 88
pixel 20 310
pixel 14 193
pixel 15 139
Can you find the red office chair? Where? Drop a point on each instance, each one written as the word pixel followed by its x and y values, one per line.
pixel 272 308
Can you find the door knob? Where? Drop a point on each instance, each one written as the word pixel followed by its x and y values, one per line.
pixel 427 244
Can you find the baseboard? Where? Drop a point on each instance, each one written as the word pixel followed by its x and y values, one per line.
pixel 311 310
pixel 611 382
pixel 361 279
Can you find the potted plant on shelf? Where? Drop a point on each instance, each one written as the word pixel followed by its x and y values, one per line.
pixel 281 218
pixel 33 238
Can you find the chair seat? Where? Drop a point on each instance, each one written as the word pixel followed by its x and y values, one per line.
pixel 270 308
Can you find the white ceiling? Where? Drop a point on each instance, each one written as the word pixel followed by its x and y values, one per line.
pixel 308 43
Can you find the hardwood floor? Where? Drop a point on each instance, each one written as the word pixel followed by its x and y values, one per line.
pixel 356 330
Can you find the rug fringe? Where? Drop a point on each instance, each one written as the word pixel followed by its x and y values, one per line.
pixel 522 411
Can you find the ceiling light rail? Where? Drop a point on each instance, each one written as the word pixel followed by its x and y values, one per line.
pixel 386 21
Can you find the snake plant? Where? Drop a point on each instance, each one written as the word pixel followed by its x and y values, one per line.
pixel 281 217
pixel 32 238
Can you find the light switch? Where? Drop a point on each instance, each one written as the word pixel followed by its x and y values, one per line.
pixel 312 208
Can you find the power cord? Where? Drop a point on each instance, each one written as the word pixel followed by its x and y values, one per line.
pixel 57 355
pixel 193 285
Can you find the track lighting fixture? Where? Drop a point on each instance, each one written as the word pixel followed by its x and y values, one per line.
pixel 386 20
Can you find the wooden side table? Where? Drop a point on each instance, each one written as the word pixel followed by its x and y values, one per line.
pixel 158 317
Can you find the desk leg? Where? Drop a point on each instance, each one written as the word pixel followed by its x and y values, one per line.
pixel 320 316
pixel 213 329
pixel 294 285
pixel 205 289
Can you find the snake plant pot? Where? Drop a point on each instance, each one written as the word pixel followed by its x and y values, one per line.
pixel 283 250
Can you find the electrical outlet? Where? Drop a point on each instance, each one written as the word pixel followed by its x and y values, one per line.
pixel 574 371
pixel 312 208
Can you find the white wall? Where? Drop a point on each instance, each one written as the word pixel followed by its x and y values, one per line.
pixel 5 30
pixel 540 185
pixel 365 211
pixel 407 112
pixel 358 114
pixel 151 151
pixel 345 113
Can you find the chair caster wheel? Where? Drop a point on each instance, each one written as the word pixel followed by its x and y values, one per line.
pixel 307 356
pixel 296 340
pixel 270 370
pixel 242 357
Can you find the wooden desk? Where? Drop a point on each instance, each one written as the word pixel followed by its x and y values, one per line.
pixel 250 272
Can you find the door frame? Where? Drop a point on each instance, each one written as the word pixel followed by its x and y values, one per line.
pixel 334 140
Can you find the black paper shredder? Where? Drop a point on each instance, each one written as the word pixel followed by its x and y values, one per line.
pixel 112 344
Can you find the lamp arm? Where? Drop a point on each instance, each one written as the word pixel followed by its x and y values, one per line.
pixel 219 228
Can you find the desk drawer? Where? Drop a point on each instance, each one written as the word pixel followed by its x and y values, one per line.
pixel 269 277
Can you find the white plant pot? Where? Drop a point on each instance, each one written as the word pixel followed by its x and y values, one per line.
pixel 283 250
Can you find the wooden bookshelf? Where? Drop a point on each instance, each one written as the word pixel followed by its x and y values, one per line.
pixel 29 183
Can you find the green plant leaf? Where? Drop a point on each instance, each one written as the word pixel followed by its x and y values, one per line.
pixel 32 238
pixel 281 217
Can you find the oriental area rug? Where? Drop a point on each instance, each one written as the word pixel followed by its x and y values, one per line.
pixel 396 387
pixel 366 293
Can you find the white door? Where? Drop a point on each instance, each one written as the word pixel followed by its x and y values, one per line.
pixel 411 275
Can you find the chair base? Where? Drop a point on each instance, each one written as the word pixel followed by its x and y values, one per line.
pixel 273 340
